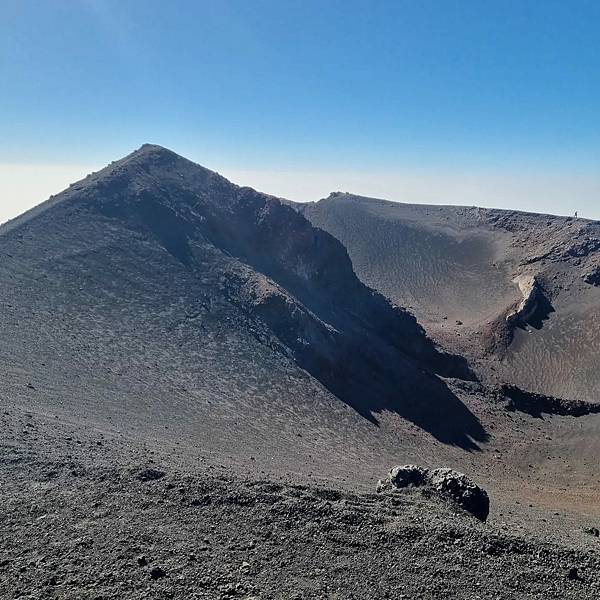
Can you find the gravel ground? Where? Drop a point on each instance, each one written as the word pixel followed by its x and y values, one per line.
pixel 119 521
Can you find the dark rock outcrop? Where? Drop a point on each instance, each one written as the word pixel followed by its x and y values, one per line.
pixel 593 277
pixel 534 307
pixel 535 404
pixel 403 476
pixel 445 483
pixel 459 488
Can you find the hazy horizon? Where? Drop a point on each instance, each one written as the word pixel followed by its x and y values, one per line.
pixel 461 103
pixel 25 186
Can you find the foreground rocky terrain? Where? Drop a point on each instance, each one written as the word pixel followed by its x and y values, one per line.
pixel 91 516
pixel 199 392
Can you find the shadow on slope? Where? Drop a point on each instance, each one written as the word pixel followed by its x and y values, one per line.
pixel 541 313
pixel 422 398
pixel 363 371
pixel 536 404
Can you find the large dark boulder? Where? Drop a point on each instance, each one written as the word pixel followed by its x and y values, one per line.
pixel 445 483
pixel 407 475
pixel 459 488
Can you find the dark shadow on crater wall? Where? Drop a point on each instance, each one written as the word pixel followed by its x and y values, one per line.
pixel 542 312
pixel 536 405
pixel 170 230
pixel 417 395
pixel 372 359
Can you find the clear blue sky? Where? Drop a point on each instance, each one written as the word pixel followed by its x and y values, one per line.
pixel 465 88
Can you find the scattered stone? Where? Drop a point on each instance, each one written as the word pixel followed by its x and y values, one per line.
pixel 593 531
pixel 295 528
pixel 383 485
pixel 150 475
pixel 157 573
pixel 573 574
pixel 203 501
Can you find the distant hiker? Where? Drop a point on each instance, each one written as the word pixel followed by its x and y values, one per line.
pixel 575 214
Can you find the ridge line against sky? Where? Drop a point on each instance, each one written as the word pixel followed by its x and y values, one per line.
pixel 491 104
pixel 24 186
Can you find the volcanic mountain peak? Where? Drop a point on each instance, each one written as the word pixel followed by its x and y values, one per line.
pixel 165 223
pixel 150 168
pixel 151 156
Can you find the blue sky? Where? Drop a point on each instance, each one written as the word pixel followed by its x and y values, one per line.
pixel 500 100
